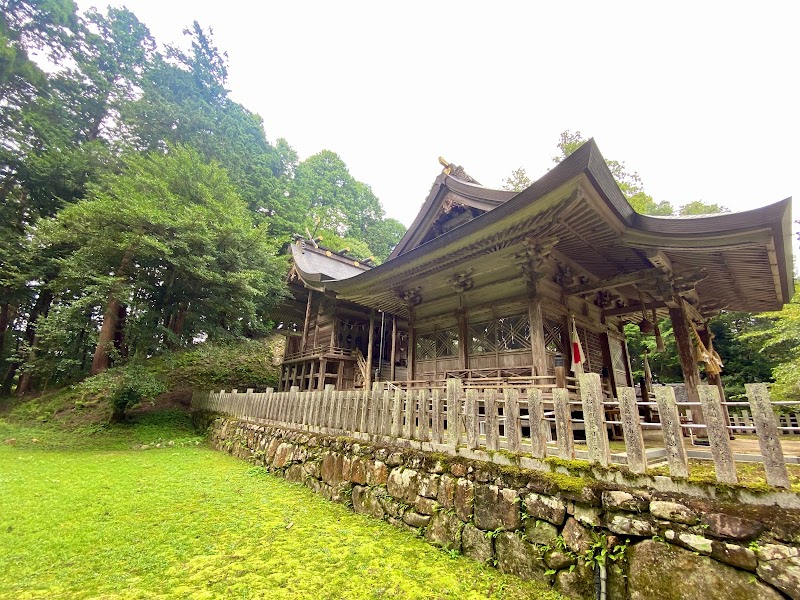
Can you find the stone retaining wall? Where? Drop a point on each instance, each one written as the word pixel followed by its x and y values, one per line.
pixel 551 527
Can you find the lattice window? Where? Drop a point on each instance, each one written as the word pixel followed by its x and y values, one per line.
pixel 446 343
pixel 554 337
pixel 500 335
pixel 426 347
pixel 438 344
pixel 513 333
pixel 483 337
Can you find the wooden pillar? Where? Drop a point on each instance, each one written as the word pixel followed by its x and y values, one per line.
pixel 323 367
pixel 394 348
pixel 316 321
pixel 304 339
pixel 370 344
pixel 332 342
pixel 686 354
pixel 707 337
pixel 538 351
pixel 463 353
pixel 412 350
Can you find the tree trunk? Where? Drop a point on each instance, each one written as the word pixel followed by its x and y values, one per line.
pixel 101 359
pixel 119 332
pixel 5 311
pixel 24 385
pixel 105 341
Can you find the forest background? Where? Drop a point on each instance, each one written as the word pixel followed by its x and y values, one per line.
pixel 145 212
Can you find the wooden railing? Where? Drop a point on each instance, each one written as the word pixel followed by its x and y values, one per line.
pixel 517 420
pixel 319 351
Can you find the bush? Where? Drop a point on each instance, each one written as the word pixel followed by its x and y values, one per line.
pixel 135 385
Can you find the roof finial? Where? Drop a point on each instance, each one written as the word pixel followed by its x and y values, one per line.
pixel 447 166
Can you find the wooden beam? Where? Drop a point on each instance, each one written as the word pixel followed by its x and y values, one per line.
pixel 463 353
pixel 617 280
pixel 633 308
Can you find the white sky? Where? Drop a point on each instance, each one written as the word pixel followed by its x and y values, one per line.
pixel 698 97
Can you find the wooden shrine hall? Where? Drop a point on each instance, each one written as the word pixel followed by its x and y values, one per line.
pixel 488 286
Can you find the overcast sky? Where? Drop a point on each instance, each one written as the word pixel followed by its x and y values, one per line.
pixel 699 98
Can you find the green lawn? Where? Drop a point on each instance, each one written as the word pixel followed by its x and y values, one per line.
pixel 95 516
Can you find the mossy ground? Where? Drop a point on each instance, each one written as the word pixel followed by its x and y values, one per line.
pixel 89 514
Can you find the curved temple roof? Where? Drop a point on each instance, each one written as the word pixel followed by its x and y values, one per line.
pixel 746 255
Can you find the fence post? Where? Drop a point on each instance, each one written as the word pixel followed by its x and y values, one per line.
pixel 511 413
pixel 423 429
pixel 397 415
pixel 385 416
pixel 566 445
pixel 409 428
pixel 436 417
pixel 371 411
pixel 594 418
pixel 471 418
pixel 718 435
pixel 492 432
pixel 632 430
pixel 767 432
pixel 454 392
pixel 671 430
pixel 537 422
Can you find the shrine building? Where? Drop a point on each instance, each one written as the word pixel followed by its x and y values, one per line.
pixel 489 285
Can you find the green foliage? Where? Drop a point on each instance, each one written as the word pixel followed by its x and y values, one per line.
pixel 779 339
pixel 699 207
pixel 518 181
pixel 135 386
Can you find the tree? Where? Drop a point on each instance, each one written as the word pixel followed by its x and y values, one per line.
pixel 518 181
pixel 630 183
pixel 779 340
pixel 167 252
pixel 698 207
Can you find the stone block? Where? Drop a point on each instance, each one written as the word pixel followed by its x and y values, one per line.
pixel 734 555
pixel 540 532
pixel 476 544
pixel 282 455
pixel 547 508
pixel 458 469
pixel 294 473
pixel 394 459
pixel 587 515
pixel 358 471
pixel 496 508
pixel 332 468
pixel 673 511
pixel 557 560
pixel 426 506
pixel 783 573
pixel 617 500
pixel 464 498
pixel 429 485
pixel 519 558
pixel 445 530
pixel 377 473
pixel 660 571
pixel 416 520
pixel 577 583
pixel 403 484
pixel 576 537
pixel 627 525
pixel 720 525
pixel 447 490
pixel 366 501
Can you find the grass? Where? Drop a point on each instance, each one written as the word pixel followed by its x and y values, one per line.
pixel 89 514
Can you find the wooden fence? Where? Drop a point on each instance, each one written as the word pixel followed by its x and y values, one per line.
pixel 519 420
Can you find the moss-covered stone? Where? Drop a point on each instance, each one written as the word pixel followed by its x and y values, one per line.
pixel 660 571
